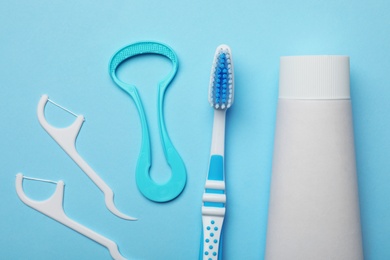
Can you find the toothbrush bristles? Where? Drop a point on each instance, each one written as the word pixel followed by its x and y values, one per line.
pixel 221 82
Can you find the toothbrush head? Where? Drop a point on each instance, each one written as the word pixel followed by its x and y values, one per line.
pixel 221 88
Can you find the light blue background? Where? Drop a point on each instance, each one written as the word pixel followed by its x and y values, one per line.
pixel 62 49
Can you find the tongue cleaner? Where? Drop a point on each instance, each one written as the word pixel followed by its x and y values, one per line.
pixel 150 189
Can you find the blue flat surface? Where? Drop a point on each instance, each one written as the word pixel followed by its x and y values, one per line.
pixel 62 49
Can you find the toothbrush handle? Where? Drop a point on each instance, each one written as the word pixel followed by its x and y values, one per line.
pixel 212 236
pixel 213 210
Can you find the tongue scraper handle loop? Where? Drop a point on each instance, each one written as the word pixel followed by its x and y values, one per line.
pixel 53 208
pixel 66 138
pixel 150 189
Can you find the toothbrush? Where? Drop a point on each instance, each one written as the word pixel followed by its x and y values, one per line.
pixel 214 197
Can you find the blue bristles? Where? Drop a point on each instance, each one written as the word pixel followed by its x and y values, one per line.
pixel 221 83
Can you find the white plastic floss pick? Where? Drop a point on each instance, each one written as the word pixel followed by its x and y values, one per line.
pixel 53 208
pixel 314 206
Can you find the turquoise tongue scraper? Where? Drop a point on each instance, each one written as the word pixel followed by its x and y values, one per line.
pixel 150 189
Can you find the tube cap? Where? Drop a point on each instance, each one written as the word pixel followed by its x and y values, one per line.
pixel 314 77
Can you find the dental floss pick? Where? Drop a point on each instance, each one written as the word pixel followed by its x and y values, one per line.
pixel 66 139
pixel 314 206
pixel 53 208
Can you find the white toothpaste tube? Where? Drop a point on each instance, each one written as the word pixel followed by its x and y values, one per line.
pixel 314 205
